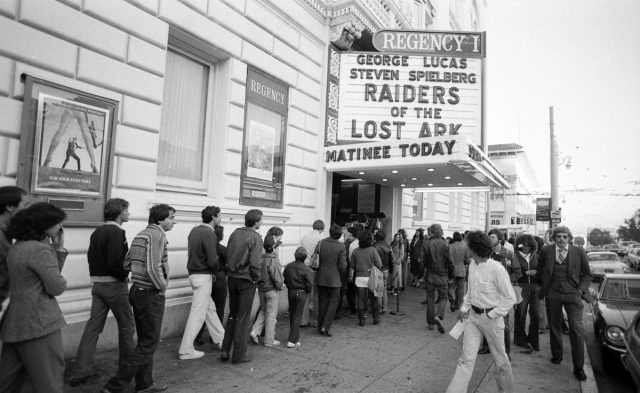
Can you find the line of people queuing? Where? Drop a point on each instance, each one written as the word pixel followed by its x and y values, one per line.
pixel 32 256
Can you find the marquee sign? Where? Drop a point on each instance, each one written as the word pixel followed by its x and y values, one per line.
pixel 443 43
pixel 387 97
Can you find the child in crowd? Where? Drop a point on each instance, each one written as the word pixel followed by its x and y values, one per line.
pixel 270 283
pixel 298 278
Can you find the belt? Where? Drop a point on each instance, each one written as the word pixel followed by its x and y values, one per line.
pixel 152 290
pixel 479 310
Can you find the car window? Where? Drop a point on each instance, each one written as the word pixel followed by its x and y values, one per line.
pixel 622 289
pixel 602 257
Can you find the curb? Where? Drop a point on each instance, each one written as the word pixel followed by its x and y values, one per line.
pixel 590 385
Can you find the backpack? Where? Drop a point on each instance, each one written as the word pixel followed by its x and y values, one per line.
pixel 376 282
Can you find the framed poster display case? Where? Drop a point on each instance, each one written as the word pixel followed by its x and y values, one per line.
pixel 263 147
pixel 66 150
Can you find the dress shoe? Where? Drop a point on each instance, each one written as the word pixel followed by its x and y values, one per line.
pixel 325 332
pixel 438 322
pixel 430 327
pixel 75 381
pixel 521 344
pixel 484 351
pixel 156 387
pixel 224 356
pixel 425 301
pixel 254 337
pixel 376 322
pixel 361 323
pixel 579 373
pixel 556 360
pixel 246 359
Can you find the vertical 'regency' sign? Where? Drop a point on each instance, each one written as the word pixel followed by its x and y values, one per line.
pixel 263 152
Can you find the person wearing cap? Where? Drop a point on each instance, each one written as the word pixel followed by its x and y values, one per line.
pixel 438 270
pixel 489 298
pixel 564 276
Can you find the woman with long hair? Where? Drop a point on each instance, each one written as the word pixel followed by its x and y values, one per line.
pixel 526 247
pixel 31 330
pixel 415 252
pixel 364 258
pixel 405 258
pixel 398 253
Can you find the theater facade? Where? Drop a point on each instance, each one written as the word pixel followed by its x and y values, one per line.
pixel 301 108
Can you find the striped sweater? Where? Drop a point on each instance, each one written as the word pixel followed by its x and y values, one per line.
pixel 147 259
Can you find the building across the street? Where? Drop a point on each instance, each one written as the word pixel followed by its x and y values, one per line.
pixel 285 106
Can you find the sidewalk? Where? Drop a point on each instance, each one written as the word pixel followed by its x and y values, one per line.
pixel 399 355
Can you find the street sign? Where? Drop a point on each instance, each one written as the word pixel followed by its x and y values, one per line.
pixel 557 214
pixel 543 209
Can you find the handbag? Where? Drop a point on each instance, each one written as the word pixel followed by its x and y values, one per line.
pixel 518 290
pixel 314 262
pixel 376 282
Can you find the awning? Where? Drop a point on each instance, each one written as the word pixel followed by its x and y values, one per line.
pixel 450 163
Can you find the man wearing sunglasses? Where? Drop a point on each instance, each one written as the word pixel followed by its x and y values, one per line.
pixel 564 273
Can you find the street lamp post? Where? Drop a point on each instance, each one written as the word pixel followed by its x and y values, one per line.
pixel 554 168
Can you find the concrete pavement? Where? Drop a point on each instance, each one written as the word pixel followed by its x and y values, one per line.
pixel 399 355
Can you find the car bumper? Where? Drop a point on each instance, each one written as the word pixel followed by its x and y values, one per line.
pixel 613 349
pixel 632 367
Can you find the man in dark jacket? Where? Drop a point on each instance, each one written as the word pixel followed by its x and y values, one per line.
pixel 386 256
pixel 564 274
pixel 107 250
pixel 333 263
pixel 244 250
pixel 438 270
pixel 202 262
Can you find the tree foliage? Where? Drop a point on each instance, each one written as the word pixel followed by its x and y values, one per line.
pixel 598 237
pixel 631 228
pixel 578 241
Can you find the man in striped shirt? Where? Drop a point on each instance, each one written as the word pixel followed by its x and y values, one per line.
pixel 149 265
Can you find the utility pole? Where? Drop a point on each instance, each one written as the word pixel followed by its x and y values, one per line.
pixel 554 169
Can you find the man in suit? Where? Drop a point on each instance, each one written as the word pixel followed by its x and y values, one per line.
pixel 564 274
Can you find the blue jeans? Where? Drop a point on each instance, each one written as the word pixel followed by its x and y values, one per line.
pixel 530 304
pixel 106 296
pixel 433 284
pixel 241 293
pixel 148 310
pixel 297 299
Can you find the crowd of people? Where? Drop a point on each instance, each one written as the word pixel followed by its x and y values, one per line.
pixel 480 275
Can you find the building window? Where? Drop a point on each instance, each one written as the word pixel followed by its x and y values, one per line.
pixel 182 161
pixel 418 206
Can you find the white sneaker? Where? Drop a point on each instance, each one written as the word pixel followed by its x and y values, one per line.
pixel 254 337
pixel 275 342
pixel 291 345
pixel 195 355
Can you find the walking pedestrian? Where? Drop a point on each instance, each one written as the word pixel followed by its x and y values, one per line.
pixel 243 270
pixel 202 262
pixel 31 329
pixel 490 296
pixel 149 262
pixel 332 265
pixel 438 271
pixel 298 277
pixel 269 285
pixel 108 248
pixel 364 258
pixel 528 260
pixel 459 253
pixel 564 274
pixel 351 243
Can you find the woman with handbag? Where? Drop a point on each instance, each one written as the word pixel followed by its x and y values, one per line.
pixel 31 330
pixel 332 262
pixel 526 247
pixel 364 258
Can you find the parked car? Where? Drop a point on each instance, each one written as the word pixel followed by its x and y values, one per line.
pixel 626 244
pixel 634 258
pixel 615 304
pixel 631 359
pixel 615 248
pixel 603 262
